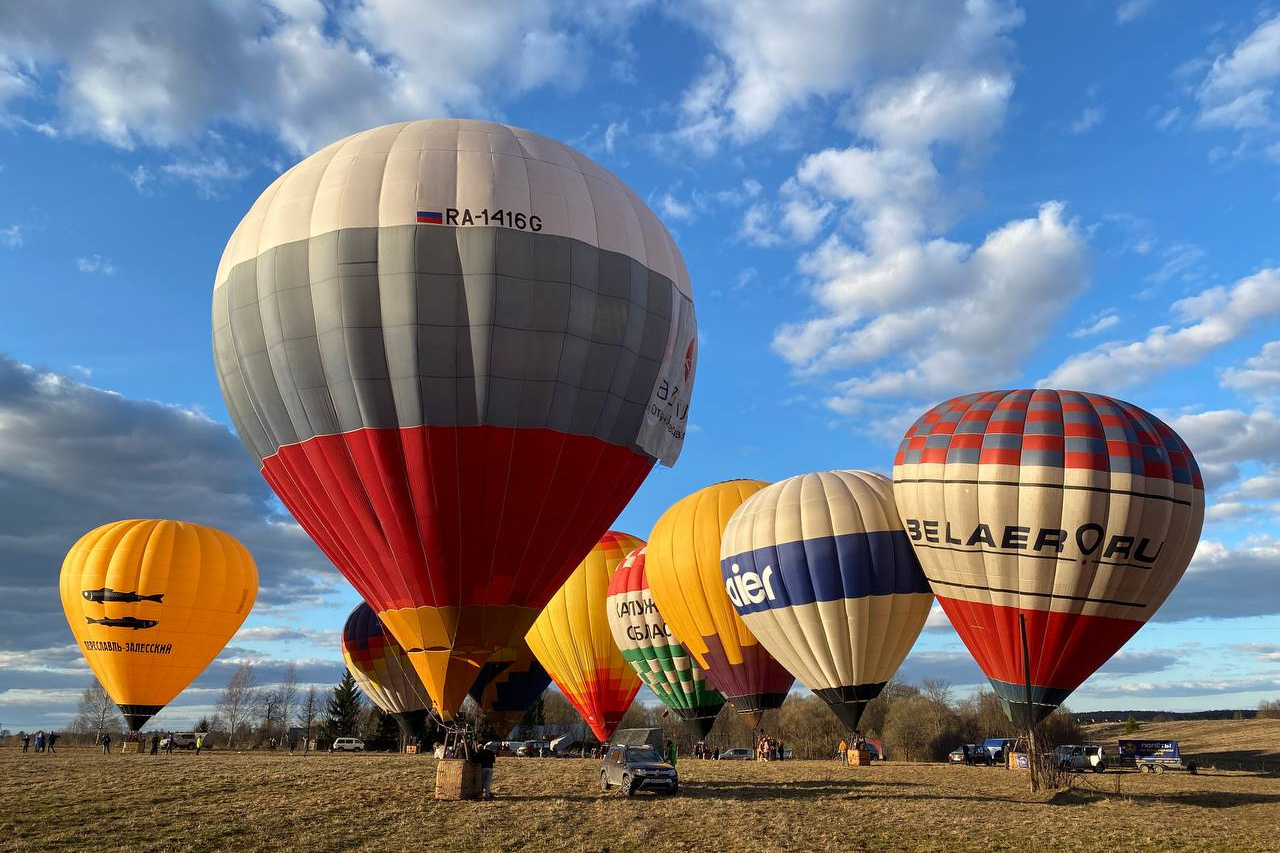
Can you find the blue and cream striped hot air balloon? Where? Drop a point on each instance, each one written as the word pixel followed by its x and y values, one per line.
pixel 822 572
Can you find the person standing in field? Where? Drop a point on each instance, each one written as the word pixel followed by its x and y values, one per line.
pixel 843 749
pixel 53 738
pixel 199 741
pixel 671 753
pixel 155 743
pixel 168 744
pixel 26 741
pixel 486 758
pixel 106 743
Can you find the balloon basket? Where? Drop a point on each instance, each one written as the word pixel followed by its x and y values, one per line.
pixel 131 746
pixel 411 750
pixel 859 757
pixel 457 779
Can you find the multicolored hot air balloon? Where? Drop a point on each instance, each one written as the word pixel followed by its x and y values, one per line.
pixel 508 685
pixel 151 603
pixel 573 642
pixel 682 563
pixel 652 649
pixel 1075 512
pixel 456 348
pixel 823 574
pixel 384 672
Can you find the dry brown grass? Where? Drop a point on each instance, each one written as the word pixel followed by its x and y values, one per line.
pixel 77 800
pixel 1224 743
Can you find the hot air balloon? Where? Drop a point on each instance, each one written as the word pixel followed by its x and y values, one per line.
pixel 1072 513
pixel 682 563
pixel 383 671
pixel 823 574
pixel 654 652
pixel 508 685
pixel 572 640
pixel 151 603
pixel 456 349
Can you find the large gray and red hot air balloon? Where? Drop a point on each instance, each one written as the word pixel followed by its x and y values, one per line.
pixel 457 348
pixel 1075 512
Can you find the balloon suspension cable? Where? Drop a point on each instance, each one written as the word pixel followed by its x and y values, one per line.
pixel 459 737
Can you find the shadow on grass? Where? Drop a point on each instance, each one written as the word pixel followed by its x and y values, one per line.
pixel 1199 799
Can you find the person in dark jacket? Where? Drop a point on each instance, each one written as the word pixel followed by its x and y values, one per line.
pixel 53 738
pixel 486 758
pixel 26 742
pixel 155 743
pixel 106 743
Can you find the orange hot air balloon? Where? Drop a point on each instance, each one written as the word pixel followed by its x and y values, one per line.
pixel 573 640
pixel 683 565
pixel 151 603
pixel 451 346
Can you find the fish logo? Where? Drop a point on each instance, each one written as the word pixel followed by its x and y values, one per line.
pixel 124 622
pixel 106 594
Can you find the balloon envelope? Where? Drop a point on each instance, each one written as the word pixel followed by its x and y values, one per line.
pixel 652 649
pixel 383 671
pixel 1075 511
pixel 508 685
pixel 151 603
pixel 572 640
pixel 682 563
pixel 821 570
pixel 456 348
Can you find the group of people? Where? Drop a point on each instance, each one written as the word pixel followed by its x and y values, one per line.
pixel 44 741
pixel 768 748
pixel 701 750
pixel 858 742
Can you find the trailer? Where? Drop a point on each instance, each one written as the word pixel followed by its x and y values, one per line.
pixel 1153 756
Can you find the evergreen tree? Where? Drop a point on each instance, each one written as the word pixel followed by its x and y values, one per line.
pixel 343 714
pixel 1130 726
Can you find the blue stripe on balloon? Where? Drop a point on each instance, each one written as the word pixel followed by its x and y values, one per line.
pixel 829 568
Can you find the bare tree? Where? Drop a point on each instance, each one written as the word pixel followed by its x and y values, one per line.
pixel 268 703
pixel 97 714
pixel 308 711
pixel 237 701
pixel 288 697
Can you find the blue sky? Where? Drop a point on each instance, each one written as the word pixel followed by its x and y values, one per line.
pixel 881 205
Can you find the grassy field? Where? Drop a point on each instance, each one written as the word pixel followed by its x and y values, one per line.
pixel 78 800
pixel 1225 743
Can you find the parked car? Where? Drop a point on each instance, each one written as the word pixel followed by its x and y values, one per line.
pixel 1088 756
pixel 966 754
pixel 347 744
pixel 637 768
pixel 184 740
pixel 534 749
pixel 996 749
pixel 494 746
pixel 738 753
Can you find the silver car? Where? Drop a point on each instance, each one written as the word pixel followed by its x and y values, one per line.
pixel 637 768
pixel 1087 756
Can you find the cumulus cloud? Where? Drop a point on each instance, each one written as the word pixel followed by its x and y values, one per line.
pixel 1227 581
pixel 136 72
pixel 1176 689
pixel 1134 662
pixel 1260 374
pixel 1239 90
pixel 1224 439
pixel 1210 319
pixel 75 457
pixel 775 57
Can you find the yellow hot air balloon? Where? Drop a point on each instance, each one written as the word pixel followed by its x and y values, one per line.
pixel 151 603
pixel 683 564
pixel 573 641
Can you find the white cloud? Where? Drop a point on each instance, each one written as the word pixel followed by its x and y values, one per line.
pixel 13 235
pixel 1131 10
pixel 95 264
pixel 1097 325
pixel 135 72
pixel 671 207
pixel 935 315
pixel 1226 581
pixel 1180 259
pixel 1212 319
pixel 615 131
pixel 1224 439
pixel 1260 375
pixel 1090 118
pixel 209 175
pixel 1239 92
pixel 774 57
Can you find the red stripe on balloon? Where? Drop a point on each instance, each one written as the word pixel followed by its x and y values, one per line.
pixel 455 516
pixel 1065 648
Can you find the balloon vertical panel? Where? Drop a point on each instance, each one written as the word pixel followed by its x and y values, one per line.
pixel 1075 511
pixel 457 349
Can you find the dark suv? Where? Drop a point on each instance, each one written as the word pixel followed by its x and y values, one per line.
pixel 634 768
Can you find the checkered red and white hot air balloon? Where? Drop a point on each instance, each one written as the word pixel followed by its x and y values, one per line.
pixel 1074 511
pixel 456 349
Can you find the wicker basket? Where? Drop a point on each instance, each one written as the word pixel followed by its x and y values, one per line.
pixel 457 779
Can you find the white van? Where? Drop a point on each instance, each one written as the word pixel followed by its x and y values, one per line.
pixel 347 744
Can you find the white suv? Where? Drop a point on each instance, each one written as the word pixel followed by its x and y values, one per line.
pixel 347 744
